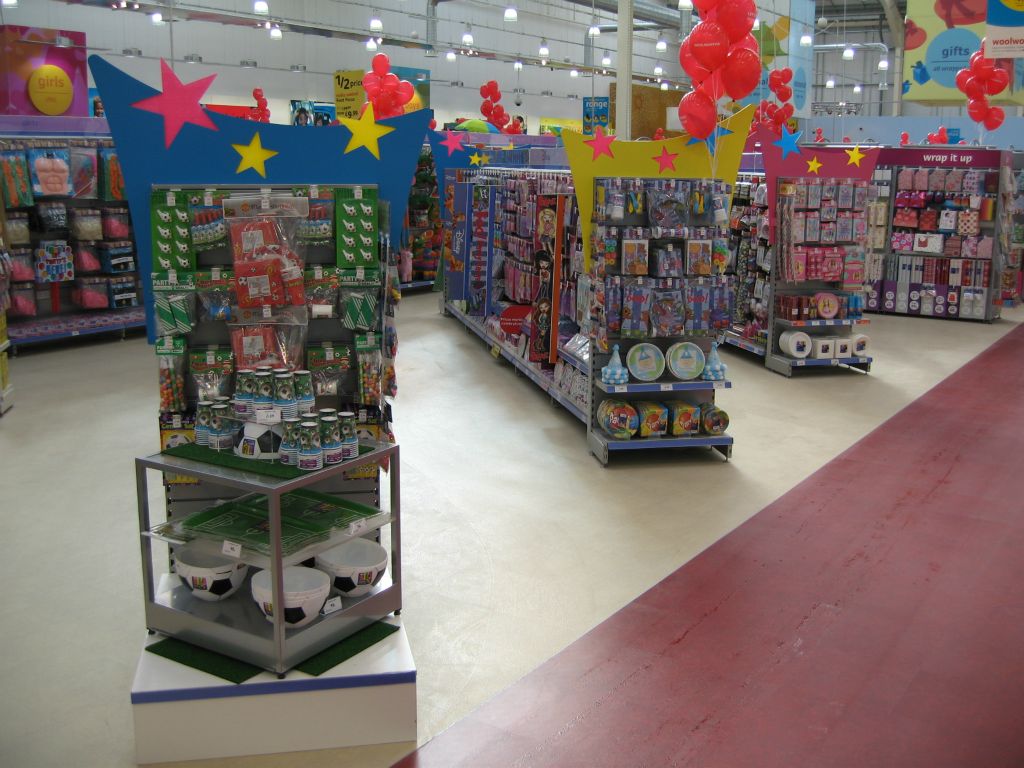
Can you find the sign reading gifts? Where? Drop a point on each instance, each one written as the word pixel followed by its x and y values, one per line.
pixel 42 72
pixel 941 35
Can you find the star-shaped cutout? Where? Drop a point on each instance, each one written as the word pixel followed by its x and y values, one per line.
pixel 601 143
pixel 254 155
pixel 855 156
pixel 666 160
pixel 788 142
pixel 178 103
pixel 712 140
pixel 366 132
pixel 453 140
pixel 477 159
pixel 813 166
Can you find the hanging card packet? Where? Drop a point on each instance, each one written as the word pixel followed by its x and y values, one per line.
pixel 968 223
pixel 905 179
pixel 214 290
pixel 985 245
pixel 211 371
pixel 17 183
pixel 174 302
pixel 812 228
pixel 613 304
pixel 844 227
pixel 634 257
pixel 329 365
pixel 636 308
pixel 356 221
pixel 318 227
pixel 50 171
pixel 844 195
pixel 937 180
pixel 921 180
pixel 206 215
pixel 668 262
pixel 111 175
pixel 321 286
pixel 668 313
pixel 828 190
pixel 698 257
pixel 947 220
pixel 84 172
pixel 171 230
pixel 814 194
pixel 170 353
pixel 698 306
pixel 358 309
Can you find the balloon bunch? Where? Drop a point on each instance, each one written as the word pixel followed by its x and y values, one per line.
pixel 260 113
pixel 384 90
pixel 979 80
pixel 659 134
pixel 495 113
pixel 904 138
pixel 819 136
pixel 774 116
pixel 940 136
pixel 721 57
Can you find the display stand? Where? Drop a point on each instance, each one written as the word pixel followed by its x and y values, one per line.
pixel 424 226
pixel 748 224
pixel 950 250
pixel 343 707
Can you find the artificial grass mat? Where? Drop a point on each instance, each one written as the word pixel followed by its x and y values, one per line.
pixel 231 461
pixel 236 671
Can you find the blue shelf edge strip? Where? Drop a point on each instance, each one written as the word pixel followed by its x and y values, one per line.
pixel 828 362
pixel 546 384
pixel 273 687
pixel 676 386
pixel 668 442
pixel 70 335
pixel 749 346
pixel 416 284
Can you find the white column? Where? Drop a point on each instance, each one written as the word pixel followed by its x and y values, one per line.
pixel 624 72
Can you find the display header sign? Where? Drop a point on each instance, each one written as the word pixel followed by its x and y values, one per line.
pixel 929 157
pixel 595 113
pixel 1005 29
pixel 348 92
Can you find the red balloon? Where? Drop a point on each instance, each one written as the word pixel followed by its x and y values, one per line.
pixel 710 44
pixel 689 64
pixel 774 80
pixel 982 68
pixel 787 111
pixel 977 109
pixel 904 139
pixel 257 93
pixel 748 42
pixel 736 17
pixel 741 73
pixel 961 79
pixel 498 113
pixel 703 6
pixel 784 92
pixel 997 81
pixel 933 139
pixel 943 135
pixel 994 118
pixel 974 88
pixel 787 75
pixel 487 108
pixel 433 124
pixel 502 121
pixel 713 85
pixel 772 109
pixel 405 91
pixel 484 91
pixel 381 64
pixel 371 84
pixel 390 82
pixel 697 114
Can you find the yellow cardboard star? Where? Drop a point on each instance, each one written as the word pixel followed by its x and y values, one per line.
pixel 813 165
pixel 855 156
pixel 366 132
pixel 476 159
pixel 253 156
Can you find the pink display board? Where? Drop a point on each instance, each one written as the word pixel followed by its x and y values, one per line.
pixel 31 59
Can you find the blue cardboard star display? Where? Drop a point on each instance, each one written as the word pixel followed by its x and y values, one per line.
pixel 167 138
pixel 788 142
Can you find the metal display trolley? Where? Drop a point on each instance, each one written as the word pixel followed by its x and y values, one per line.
pixel 236 627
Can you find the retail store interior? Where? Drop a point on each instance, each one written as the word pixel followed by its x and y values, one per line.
pixel 377 388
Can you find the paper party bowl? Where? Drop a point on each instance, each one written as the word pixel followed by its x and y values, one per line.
pixel 305 591
pixel 208 576
pixel 355 566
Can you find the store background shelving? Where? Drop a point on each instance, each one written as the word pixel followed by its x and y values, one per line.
pixel 424 225
pixel 751 264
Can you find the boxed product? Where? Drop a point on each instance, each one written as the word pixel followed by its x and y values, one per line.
pixel 177 429
pixel 684 418
pixel 653 418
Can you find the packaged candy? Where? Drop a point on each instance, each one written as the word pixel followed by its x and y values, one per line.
pixel 17 228
pixel 86 224
pixel 15 180
pixel 22 265
pixel 652 417
pixel 86 257
pixel 111 176
pixel 117 256
pixel 684 418
pixel 369 361
pixel 170 353
pixel 23 301
pixel 123 292
pixel 617 418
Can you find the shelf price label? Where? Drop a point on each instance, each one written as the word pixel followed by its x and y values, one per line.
pixel 495 351
pixel 333 604
pixel 800 362
pixel 718 385
pixel 620 388
pixel 834 361
pixel 231 548
pixel 665 387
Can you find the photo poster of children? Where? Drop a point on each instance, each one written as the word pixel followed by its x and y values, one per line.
pixel 312 113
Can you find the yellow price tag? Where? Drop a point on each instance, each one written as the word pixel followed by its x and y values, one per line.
pixel 495 351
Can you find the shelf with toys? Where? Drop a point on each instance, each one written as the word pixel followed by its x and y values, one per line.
pixel 418 263
pixel 948 252
pixel 70 239
pixel 748 224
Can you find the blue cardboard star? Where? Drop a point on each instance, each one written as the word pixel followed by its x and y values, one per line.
pixel 712 139
pixel 788 142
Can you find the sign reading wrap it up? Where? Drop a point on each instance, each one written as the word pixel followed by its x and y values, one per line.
pixel 1005 29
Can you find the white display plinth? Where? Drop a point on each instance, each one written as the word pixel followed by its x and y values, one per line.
pixel 184 714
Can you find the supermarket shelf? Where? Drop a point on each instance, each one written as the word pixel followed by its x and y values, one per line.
pixel 738 341
pixel 79 324
pixel 820 323
pixel 572 360
pixel 786 365
pixel 416 284
pixel 601 445
pixel 661 386
pixel 537 376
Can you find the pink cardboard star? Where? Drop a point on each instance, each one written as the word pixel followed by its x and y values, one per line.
pixel 601 143
pixel 666 160
pixel 179 103
pixel 453 140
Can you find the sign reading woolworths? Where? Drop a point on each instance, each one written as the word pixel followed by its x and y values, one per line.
pixel 1005 29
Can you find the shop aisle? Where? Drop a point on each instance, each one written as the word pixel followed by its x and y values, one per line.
pixel 870 616
pixel 517 542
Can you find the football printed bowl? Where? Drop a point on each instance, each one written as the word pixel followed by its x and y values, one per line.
pixel 305 592
pixel 209 577
pixel 355 566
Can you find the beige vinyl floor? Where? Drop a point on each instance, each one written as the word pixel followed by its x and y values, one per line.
pixel 516 541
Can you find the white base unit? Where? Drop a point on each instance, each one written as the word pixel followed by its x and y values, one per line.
pixel 181 713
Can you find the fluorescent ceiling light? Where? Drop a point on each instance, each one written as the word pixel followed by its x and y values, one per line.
pixel 156 18
pixel 594 31
pixel 467 36
pixel 450 56
pixel 658 70
pixel 371 44
pixel 543 62
pixel 883 64
pixel 261 6
pixel 806 41
pixel 664 86
pixel 544 50
pixel 685 5
pixel 511 14
pixel 606 60
pixel 376 25
pixel 857 88
pixel 848 53
pixel 517 66
pixel 276 33
pixel 574 73
pixel 661 45
pixel 830 83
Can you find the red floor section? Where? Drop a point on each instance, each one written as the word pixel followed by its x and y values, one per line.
pixel 872 616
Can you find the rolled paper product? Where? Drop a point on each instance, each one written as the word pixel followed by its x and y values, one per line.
pixel 795 344
pixel 861 344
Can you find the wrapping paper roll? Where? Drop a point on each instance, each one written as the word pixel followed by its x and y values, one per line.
pixel 861 344
pixel 795 344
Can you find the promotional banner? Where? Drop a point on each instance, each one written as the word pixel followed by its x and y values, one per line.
pixel 595 113
pixel 556 125
pixel 348 92
pixel 1005 29
pixel 940 37
pixel 40 77
pixel 312 113
pixel 420 79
